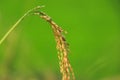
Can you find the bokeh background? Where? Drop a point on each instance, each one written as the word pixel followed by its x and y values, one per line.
pixel 29 53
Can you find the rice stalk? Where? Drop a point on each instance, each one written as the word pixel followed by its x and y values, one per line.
pixel 18 22
pixel 62 46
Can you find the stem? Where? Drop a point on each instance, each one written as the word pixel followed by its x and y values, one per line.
pixel 16 24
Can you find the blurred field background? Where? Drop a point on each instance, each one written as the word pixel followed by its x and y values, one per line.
pixel 93 27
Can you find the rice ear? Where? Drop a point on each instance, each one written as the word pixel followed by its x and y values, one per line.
pixel 62 47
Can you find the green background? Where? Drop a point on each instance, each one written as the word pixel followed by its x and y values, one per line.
pixel 93 28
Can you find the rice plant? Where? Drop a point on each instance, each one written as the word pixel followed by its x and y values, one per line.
pixel 62 45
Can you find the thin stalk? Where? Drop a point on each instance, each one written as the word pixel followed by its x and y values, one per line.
pixel 16 24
